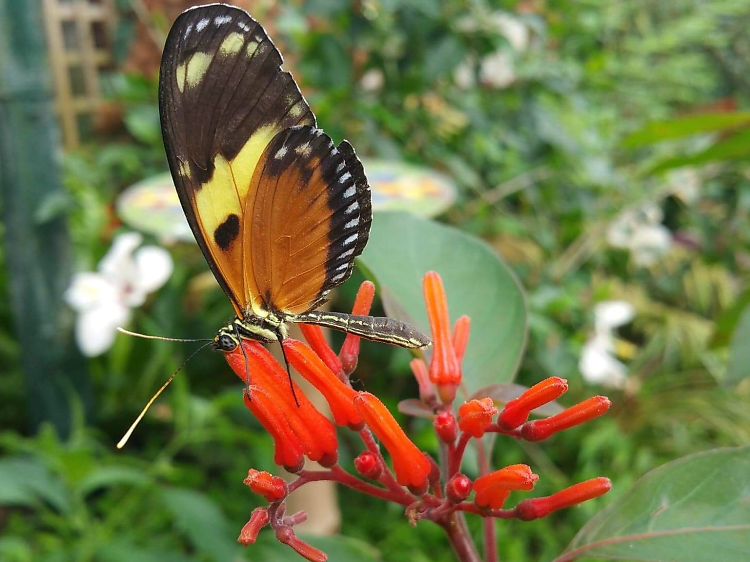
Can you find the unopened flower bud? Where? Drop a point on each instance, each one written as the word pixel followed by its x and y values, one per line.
pixel 258 520
pixel 445 369
pixel 517 411
pixel 493 489
pixel 286 535
pixel 475 416
pixel 349 353
pixel 446 427
pixel 461 336
pixel 368 465
pixel 537 508
pixel 587 410
pixel 458 488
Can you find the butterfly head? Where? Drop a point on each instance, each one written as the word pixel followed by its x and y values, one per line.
pixel 226 340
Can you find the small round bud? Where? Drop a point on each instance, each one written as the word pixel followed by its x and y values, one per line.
pixel 458 488
pixel 368 465
pixel 446 427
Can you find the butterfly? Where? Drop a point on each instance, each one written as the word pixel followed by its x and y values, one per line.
pixel 279 211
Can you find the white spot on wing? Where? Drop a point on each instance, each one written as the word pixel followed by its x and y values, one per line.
pixel 188 29
pixel 345 177
pixel 337 277
pixel 349 240
pixel 318 132
pixel 350 192
pixel 351 223
pixel 342 267
pixel 303 149
pixel 201 25
pixel 340 167
pixel 243 26
pixel 221 20
pixel 351 208
pixel 281 153
pixel 347 253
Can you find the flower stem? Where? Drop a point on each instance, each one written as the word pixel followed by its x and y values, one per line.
pixel 386 478
pixel 456 455
pixel 463 546
pixel 488 523
pixel 338 474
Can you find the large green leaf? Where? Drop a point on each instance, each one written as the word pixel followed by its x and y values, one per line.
pixel 689 125
pixel 403 248
pixel 739 350
pixel 694 509
pixel 203 523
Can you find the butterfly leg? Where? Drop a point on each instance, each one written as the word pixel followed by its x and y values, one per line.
pixel 286 362
pixel 247 364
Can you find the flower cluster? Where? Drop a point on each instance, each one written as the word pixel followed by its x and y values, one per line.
pixel 428 490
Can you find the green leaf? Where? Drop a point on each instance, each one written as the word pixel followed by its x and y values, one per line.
pixel 685 126
pixel 738 367
pixel 694 509
pixel 203 523
pixel 106 476
pixel 403 248
pixel 123 551
pixel 734 147
pixel 25 481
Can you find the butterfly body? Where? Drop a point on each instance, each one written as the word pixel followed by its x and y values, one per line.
pixel 278 210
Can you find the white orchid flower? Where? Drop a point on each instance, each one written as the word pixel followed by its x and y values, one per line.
pixel 598 364
pixel 640 231
pixel 103 299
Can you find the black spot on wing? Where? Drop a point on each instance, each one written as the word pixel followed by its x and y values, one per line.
pixel 227 232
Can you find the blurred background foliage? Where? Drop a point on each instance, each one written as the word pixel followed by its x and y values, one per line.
pixel 560 121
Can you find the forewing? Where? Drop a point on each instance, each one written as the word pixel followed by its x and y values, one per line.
pixel 222 98
pixel 307 219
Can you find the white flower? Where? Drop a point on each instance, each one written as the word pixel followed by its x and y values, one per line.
pixel 640 231
pixel 516 32
pixel 372 80
pixel 464 76
pixel 497 70
pixel 103 299
pixel 598 364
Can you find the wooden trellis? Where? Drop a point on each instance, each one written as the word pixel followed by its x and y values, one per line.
pixel 79 39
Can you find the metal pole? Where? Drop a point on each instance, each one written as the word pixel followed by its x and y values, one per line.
pixel 32 208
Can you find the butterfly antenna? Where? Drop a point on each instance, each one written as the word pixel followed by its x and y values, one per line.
pixel 247 363
pixel 148 337
pixel 288 372
pixel 129 432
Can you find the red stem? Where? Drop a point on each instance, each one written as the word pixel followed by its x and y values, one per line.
pixel 463 546
pixel 386 478
pixel 456 455
pixel 338 474
pixel 488 523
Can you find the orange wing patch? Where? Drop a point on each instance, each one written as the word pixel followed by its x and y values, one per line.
pixel 306 218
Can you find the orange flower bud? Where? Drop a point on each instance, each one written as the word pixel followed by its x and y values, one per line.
pixel 444 366
pixel 349 353
pixel 458 488
pixel 286 535
pixel 446 427
pixel 267 485
pixel 475 416
pixel 409 464
pixel 426 388
pixel 258 520
pixel 587 410
pixel 368 465
pixel 461 336
pixel 541 507
pixel 517 411
pixel 339 396
pixel 313 431
pixel 317 340
pixel 493 489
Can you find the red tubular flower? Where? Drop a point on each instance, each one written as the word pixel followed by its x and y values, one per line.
pixel 587 410
pixel 288 423
pixel 265 484
pixel 445 370
pixel 461 336
pixel 288 451
pixel 368 465
pixel 517 411
pixel 339 396
pixel 536 508
pixel 426 388
pixel 458 488
pixel 349 353
pixel 317 340
pixel 493 489
pixel 446 427
pixel 286 535
pixel 475 416
pixel 258 520
pixel 409 463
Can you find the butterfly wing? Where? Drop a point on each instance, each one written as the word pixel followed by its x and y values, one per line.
pixel 222 99
pixel 307 217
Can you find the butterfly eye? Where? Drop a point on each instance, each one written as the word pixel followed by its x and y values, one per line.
pixel 225 343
